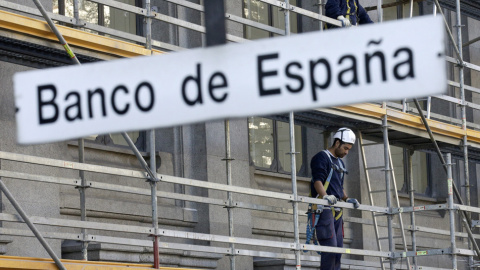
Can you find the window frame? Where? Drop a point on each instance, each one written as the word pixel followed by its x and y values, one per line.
pixel 276 166
pixel 406 182
pixel 139 25
pixel 270 19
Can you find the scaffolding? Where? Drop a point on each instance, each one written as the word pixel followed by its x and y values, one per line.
pixel 377 120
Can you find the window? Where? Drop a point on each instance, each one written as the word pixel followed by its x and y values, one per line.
pixel 420 167
pixel 258 11
pixel 102 15
pixel 395 10
pixel 270 144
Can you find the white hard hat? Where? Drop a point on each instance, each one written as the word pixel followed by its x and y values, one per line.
pixel 345 135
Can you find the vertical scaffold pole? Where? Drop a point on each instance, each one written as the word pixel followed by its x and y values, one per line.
pixel 228 164
pixel 153 188
pixel 463 111
pixel 320 11
pixel 293 164
pixel 411 192
pixel 83 203
pixel 216 35
pixel 391 244
pixel 287 18
pixel 148 25
pixel 379 11
pixel 151 138
pixel 151 174
pixel 76 11
pixel 451 210
pixel 298 261
pixel 411 9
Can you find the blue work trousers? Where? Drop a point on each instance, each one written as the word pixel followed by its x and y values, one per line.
pixel 330 233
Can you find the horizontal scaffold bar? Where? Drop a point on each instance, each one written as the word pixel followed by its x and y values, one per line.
pixel 197 236
pixel 433 252
pixel 432 207
pixel 430 252
pixel 161 194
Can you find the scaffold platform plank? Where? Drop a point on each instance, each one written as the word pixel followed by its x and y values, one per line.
pixel 375 111
pixel 20 263
pixel 74 37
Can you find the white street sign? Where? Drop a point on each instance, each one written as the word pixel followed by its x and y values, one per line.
pixel 388 61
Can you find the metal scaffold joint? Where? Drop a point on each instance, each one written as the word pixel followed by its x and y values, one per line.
pixel 230 205
pixel 152 179
pixel 475 223
pixel 80 185
pixel 284 6
pixel 79 23
pixel 461 63
pixel 233 253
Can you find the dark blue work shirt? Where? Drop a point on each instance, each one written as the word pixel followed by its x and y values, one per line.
pixel 321 167
pixel 356 12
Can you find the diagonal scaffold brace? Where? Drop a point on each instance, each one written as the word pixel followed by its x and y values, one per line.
pixel 465 218
pixel 151 175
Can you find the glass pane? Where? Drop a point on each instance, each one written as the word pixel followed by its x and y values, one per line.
pixel 397 158
pixel 260 131
pixel 419 168
pixel 283 146
pixel 390 13
pixel 256 11
pixel 88 11
pixel 119 19
pixel 55 8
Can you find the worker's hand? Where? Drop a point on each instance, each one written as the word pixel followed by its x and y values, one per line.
pixel 355 202
pixel 331 199
pixel 345 21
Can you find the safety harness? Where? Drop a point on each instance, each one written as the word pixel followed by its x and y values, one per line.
pixel 314 210
pixel 347 16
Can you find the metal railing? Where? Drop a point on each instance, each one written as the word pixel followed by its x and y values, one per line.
pixel 148 230
pixel 232 250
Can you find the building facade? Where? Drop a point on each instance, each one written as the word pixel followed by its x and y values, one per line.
pixel 107 30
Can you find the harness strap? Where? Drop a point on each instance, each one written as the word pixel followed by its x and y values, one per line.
pixel 356 11
pixel 348 10
pixel 313 216
pixel 327 182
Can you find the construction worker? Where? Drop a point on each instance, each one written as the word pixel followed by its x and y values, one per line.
pixel 349 12
pixel 328 171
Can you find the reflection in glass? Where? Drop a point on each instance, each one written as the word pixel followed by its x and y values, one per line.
pixel 260 131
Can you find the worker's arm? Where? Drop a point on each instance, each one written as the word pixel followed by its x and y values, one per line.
pixel 363 16
pixel 332 9
pixel 320 189
pixel 345 196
